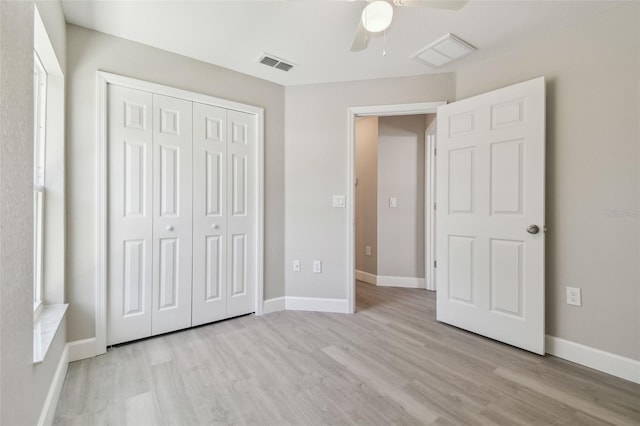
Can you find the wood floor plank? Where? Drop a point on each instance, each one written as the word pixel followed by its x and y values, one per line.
pixel 579 404
pixel 391 390
pixel 391 363
pixel 170 395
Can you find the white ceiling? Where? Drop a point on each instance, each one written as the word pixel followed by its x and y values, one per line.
pixel 316 35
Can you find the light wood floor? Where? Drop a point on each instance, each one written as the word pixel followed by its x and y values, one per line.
pixel 390 363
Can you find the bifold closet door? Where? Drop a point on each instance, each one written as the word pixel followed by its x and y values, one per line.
pixel 149 272
pixel 224 215
pixel 241 212
pixel 209 214
pixel 182 214
pixel 130 153
pixel 172 223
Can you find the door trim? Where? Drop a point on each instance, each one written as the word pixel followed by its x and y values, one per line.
pixel 430 201
pixel 352 113
pixel 103 80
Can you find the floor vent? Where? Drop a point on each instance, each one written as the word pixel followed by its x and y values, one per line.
pixel 275 62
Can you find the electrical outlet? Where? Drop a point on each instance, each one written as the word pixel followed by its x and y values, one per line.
pixel 297 267
pixel 574 296
pixel 367 250
pixel 393 202
pixel 317 266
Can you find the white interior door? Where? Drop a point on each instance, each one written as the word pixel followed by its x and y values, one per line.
pixel 130 214
pixel 172 148
pixel 241 212
pixel 209 213
pixel 490 215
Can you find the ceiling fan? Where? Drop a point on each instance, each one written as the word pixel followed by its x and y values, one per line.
pixel 377 16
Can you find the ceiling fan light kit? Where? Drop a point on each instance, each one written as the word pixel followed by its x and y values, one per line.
pixel 377 16
pixel 443 51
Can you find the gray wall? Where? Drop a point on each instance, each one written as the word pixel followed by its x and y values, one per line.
pixel 401 175
pixel 366 193
pixel 16 214
pixel 23 385
pixel 593 163
pixel 89 51
pixel 316 168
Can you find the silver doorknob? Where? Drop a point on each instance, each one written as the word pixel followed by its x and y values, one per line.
pixel 214 226
pixel 533 229
pixel 169 228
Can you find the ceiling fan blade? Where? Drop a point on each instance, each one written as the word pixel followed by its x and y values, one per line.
pixel 436 4
pixel 360 38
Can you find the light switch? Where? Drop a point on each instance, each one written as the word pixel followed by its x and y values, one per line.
pixel 393 202
pixel 297 267
pixel 339 201
pixel 317 266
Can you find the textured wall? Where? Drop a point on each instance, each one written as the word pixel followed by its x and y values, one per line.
pixel 593 164
pixel 16 211
pixel 23 385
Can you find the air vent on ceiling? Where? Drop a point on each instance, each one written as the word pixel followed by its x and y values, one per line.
pixel 444 50
pixel 275 62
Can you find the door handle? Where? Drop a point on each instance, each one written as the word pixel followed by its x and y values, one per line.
pixel 214 226
pixel 169 228
pixel 533 229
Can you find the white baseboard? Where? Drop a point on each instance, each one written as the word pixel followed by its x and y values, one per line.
pixel 366 277
pixel 616 365
pixel 51 403
pixel 340 306
pixel 407 282
pixel 273 305
pixel 389 281
pixel 82 349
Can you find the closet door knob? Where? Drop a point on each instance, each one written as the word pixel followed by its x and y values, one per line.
pixel 214 226
pixel 169 228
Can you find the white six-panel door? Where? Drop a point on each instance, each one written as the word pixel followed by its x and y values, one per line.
pixel 172 230
pixel 182 214
pixel 209 213
pixel 130 214
pixel 224 254
pixel 241 212
pixel 490 214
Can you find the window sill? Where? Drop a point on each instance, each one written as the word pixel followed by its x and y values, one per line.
pixel 45 327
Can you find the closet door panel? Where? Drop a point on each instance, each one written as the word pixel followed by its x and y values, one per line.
pixel 130 221
pixel 172 233
pixel 241 211
pixel 209 214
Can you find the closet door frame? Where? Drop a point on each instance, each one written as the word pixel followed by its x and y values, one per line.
pixel 102 231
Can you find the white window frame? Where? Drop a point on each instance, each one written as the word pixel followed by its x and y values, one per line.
pixel 39 143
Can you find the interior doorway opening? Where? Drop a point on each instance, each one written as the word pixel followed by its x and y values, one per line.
pixel 421 269
pixel 393 208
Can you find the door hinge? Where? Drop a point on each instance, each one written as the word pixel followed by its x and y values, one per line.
pixel 435 264
pixel 435 206
pixel 435 152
